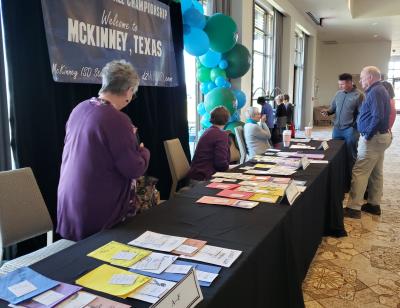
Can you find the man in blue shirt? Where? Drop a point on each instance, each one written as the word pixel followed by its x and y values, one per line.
pixel 266 109
pixel 373 125
pixel 345 105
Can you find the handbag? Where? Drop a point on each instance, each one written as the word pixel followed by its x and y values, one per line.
pixel 147 194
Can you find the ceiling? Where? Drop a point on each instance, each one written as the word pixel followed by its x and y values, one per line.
pixel 355 20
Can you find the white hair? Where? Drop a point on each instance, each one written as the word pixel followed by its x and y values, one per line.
pixel 251 112
pixel 372 71
pixel 118 76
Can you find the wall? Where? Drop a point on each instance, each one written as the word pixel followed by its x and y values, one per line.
pixel 242 13
pixel 347 58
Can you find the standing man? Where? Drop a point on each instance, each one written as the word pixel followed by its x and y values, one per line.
pixel 345 105
pixel 373 125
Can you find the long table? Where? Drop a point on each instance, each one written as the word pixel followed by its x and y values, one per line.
pixel 278 241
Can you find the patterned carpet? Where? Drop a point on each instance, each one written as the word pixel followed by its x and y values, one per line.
pixel 362 269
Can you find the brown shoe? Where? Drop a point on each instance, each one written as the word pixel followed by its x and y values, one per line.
pixel 351 213
pixel 372 209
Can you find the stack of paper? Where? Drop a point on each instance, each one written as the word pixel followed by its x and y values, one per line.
pixel 155 263
pixel 189 247
pixel 152 291
pixel 158 241
pixel 228 202
pixel 85 299
pixel 216 255
pixel 235 194
pixel 23 284
pixel 119 254
pixel 222 185
pixel 112 280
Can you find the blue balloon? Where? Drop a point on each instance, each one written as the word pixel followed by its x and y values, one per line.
pixel 211 85
pixel 204 87
pixel 210 59
pixel 196 42
pixel 185 5
pixel 220 81
pixel 194 18
pixel 186 29
pixel 205 120
pixel 198 6
pixel 223 64
pixel 227 84
pixel 201 109
pixel 240 97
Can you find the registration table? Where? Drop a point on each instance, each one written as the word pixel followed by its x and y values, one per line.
pixel 278 241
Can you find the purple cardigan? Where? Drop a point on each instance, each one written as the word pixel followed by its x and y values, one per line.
pixel 101 157
pixel 212 154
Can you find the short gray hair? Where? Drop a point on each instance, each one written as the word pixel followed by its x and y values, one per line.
pixel 373 71
pixel 118 76
pixel 251 112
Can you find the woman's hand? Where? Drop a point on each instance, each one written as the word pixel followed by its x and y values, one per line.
pixel 263 118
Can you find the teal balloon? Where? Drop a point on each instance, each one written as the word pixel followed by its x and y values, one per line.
pixel 231 126
pixel 204 87
pixel 222 32
pixel 227 85
pixel 185 5
pixel 211 85
pixel 205 120
pixel 239 61
pixel 194 18
pixel 196 42
pixel 220 81
pixel 234 117
pixel 210 59
pixel 220 97
pixel 203 74
pixel 201 109
pixel 198 6
pixel 223 64
pixel 217 72
pixel 240 97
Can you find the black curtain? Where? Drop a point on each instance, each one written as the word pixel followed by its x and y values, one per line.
pixel 40 107
pixel 5 153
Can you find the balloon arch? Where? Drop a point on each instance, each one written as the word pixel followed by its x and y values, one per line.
pixel 213 41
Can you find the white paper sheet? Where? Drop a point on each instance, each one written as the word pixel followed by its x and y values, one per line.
pixel 22 288
pixel 215 255
pixel 155 263
pixel 158 241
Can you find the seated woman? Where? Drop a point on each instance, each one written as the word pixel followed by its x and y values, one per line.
pixel 212 152
pixel 256 136
pixel 101 158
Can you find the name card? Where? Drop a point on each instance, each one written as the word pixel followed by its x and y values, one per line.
pixel 185 294
pixel 305 162
pixel 324 145
pixel 292 193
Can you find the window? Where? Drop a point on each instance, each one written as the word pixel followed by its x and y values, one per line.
pixel 193 94
pixel 263 51
pixel 298 74
pixel 394 78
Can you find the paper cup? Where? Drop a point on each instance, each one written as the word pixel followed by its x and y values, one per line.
pixel 308 131
pixel 286 136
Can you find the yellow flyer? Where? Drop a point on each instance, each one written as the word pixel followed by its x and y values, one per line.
pixel 264 198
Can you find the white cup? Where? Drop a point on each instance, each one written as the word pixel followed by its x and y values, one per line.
pixel 286 136
pixel 308 131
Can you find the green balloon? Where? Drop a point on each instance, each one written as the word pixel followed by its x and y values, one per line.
pixel 216 72
pixel 203 74
pixel 239 61
pixel 231 126
pixel 222 32
pixel 220 97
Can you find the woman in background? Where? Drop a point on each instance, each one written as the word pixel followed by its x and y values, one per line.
pixel 256 135
pixel 289 113
pixel 212 152
pixel 101 158
pixel 280 115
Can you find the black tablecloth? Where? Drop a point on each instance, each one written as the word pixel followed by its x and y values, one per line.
pixel 278 241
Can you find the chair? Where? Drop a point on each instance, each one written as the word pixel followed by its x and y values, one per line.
pixel 177 161
pixel 24 215
pixel 241 143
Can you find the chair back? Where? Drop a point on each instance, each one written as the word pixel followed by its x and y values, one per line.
pixel 177 161
pixel 23 213
pixel 233 149
pixel 241 143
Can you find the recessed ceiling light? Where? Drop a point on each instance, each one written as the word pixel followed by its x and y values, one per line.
pixel 374 23
pixel 376 35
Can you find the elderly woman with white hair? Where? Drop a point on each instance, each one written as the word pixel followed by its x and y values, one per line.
pixel 256 135
pixel 101 158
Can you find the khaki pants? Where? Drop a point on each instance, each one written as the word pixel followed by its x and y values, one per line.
pixel 368 170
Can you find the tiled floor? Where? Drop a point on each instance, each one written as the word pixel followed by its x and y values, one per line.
pixel 362 269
